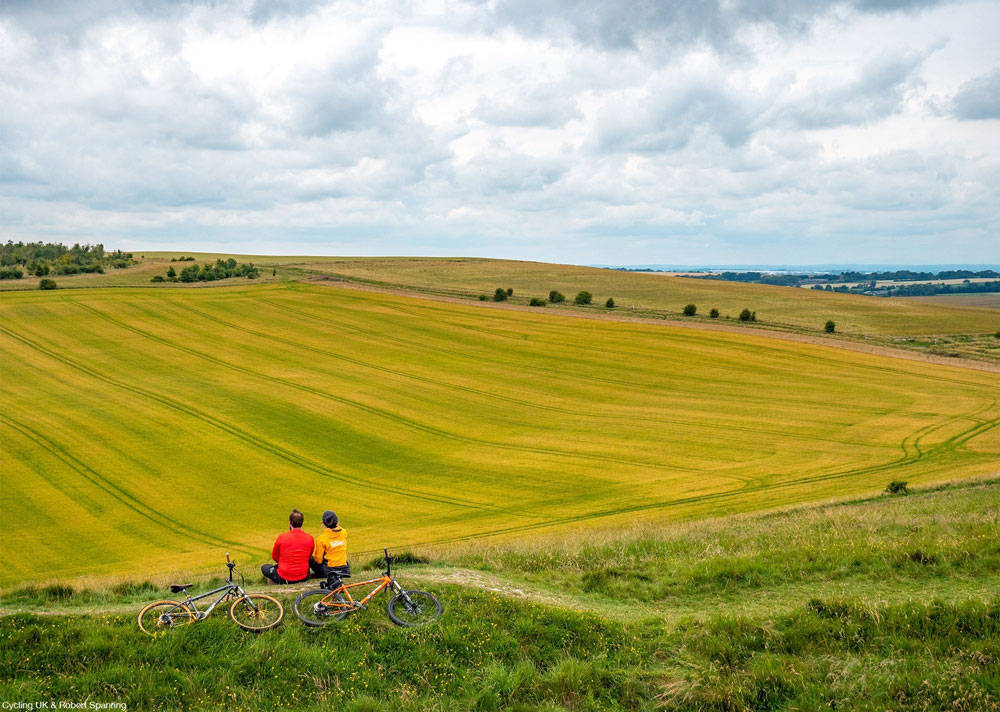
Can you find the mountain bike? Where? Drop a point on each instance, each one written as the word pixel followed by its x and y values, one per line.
pixel 334 602
pixel 251 611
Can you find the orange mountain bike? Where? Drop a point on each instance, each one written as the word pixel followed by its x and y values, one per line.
pixel 334 603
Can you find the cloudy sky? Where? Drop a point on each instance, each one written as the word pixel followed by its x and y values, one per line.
pixel 734 131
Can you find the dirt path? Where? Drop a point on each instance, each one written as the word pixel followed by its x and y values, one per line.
pixel 764 602
pixel 873 349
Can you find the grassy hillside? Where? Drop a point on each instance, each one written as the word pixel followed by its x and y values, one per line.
pixel 887 603
pixel 788 307
pixel 158 428
pixel 651 295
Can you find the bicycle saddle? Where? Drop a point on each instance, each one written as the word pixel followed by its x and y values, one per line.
pixel 178 587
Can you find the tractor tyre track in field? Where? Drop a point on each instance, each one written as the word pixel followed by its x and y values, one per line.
pixel 253 440
pixel 116 492
pixel 450 352
pixel 348 282
pixel 743 347
pixel 935 451
pixel 777 350
pixel 466 389
pixel 560 373
pixel 397 419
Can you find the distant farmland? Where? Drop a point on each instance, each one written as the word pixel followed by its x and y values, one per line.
pixel 777 307
pixel 156 428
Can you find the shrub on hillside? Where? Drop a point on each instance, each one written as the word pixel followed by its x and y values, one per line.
pixel 610 304
pixel 745 315
pixel 158 278
pixel 500 295
pixel 510 291
pixel 713 314
pixel 690 310
pixel 556 296
pixel 583 298
pixel 536 302
pixel 830 326
pixel 483 298
pixel 46 284
pixel 406 557
pixel 11 273
pixel 897 487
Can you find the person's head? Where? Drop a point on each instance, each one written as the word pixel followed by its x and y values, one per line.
pixel 295 519
pixel 330 519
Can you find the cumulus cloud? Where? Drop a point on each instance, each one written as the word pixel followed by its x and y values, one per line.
pixel 574 130
pixel 979 98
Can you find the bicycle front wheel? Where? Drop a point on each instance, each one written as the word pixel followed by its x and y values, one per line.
pixel 256 612
pixel 318 607
pixel 160 616
pixel 414 608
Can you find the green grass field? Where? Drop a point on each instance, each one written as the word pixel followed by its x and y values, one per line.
pixel 147 431
pixel 885 603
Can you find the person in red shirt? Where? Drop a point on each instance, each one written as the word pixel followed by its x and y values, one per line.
pixel 292 551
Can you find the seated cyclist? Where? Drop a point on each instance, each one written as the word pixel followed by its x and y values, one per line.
pixel 291 551
pixel 329 557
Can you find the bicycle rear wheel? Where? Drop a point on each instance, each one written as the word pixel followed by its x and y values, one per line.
pixel 318 607
pixel 161 616
pixel 256 612
pixel 414 608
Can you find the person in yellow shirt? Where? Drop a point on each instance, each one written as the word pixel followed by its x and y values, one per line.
pixel 329 557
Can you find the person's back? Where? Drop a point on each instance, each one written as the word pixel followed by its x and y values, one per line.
pixel 330 552
pixel 292 551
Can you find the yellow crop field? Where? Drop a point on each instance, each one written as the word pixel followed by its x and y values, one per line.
pixel 149 430
pixel 782 307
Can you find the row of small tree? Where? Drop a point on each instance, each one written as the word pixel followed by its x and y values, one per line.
pixel 582 298
pixel 747 315
pixel 692 310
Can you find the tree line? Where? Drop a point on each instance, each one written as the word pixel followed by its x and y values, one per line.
pixel 41 259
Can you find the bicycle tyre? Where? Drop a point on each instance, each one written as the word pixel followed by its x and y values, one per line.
pixel 428 609
pixel 263 604
pixel 310 616
pixel 180 615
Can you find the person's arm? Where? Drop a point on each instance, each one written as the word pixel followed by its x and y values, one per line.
pixel 276 549
pixel 318 550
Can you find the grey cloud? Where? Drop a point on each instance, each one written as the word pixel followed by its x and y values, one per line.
pixel 978 98
pixel 876 93
pixel 669 118
pixel 623 25
pixel 70 19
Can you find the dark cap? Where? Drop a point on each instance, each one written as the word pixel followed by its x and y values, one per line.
pixel 330 519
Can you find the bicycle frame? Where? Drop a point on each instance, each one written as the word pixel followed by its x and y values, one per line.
pixel 383 582
pixel 226 590
pixel 229 589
